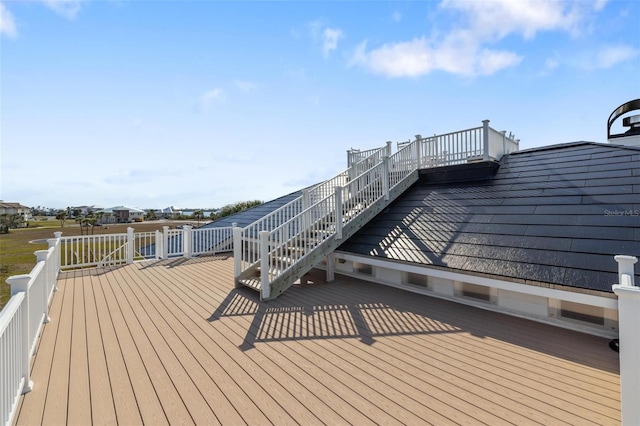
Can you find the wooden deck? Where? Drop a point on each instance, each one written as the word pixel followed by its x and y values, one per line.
pixel 173 342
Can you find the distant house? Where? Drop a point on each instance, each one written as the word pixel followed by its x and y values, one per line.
pixel 168 212
pixel 120 214
pixel 14 208
pixel 86 210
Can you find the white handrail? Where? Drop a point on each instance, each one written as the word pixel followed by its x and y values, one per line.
pixel 250 235
pixel 21 321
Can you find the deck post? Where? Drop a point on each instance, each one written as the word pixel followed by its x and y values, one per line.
pixel 385 177
pixel 504 142
pixel 306 203
pixel 165 242
pixel 54 243
pixel 186 241
pixel 131 247
pixel 389 143
pixel 264 265
pixel 41 256
pixel 338 200
pixel 485 140
pixel 237 252
pixel 58 235
pixel 629 323
pixel 158 244
pixel 331 267
pixel 418 152
pixel 20 283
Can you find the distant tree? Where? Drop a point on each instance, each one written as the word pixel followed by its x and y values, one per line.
pixel 10 221
pixel 235 208
pixel 151 214
pixel 90 220
pixel 198 215
pixel 77 213
pixel 61 216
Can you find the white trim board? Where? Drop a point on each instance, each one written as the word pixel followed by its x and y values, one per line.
pixel 586 299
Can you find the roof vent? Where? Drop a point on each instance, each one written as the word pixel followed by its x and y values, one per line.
pixel 631 136
pixel 634 123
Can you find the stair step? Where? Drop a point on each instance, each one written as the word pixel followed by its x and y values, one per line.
pixel 251 282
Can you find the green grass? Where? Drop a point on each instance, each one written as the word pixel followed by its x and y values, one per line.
pixel 17 253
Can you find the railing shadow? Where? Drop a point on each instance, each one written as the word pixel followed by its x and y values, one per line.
pixel 352 309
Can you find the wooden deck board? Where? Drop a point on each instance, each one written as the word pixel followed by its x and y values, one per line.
pixel 55 408
pixel 79 399
pixel 174 342
pixel 41 369
pixel 494 371
pixel 272 389
pixel 147 401
pixel 330 381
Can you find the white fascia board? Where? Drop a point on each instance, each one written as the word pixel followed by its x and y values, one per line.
pixel 587 299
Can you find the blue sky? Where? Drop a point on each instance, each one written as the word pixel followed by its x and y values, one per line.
pixel 204 103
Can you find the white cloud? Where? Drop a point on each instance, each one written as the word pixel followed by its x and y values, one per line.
pixel 609 56
pixel 67 8
pixel 330 37
pixel 210 96
pixel 245 86
pixel 498 18
pixel 420 57
pixel 396 16
pixel 463 50
pixel 491 61
pixel 327 36
pixel 7 23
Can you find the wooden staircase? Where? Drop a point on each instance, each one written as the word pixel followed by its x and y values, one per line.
pixel 271 259
pixel 274 252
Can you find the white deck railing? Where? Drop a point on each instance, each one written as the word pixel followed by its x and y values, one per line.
pixel 334 203
pixel 21 321
pixel 117 249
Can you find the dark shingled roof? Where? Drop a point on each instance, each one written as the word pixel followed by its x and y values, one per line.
pixel 247 217
pixel 553 215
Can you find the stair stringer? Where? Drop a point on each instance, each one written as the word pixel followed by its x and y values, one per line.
pixel 315 256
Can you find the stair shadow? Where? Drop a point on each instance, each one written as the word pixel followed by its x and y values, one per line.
pixel 353 309
pixel 319 310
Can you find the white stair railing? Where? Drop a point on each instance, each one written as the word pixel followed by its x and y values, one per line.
pixel 302 235
pixel 247 241
pixel 350 196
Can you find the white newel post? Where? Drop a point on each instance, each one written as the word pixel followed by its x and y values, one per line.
pixel 629 344
pixel 130 245
pixel 20 283
pixel 504 142
pixel 385 177
pixel 418 142
pixel 389 143
pixel 186 241
pixel 55 261
pixel 58 236
pixel 237 251
pixel 158 244
pixel 485 140
pixel 306 203
pixel 264 264
pixel 165 242
pixel 338 195
pixel 41 256
pixel 349 154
